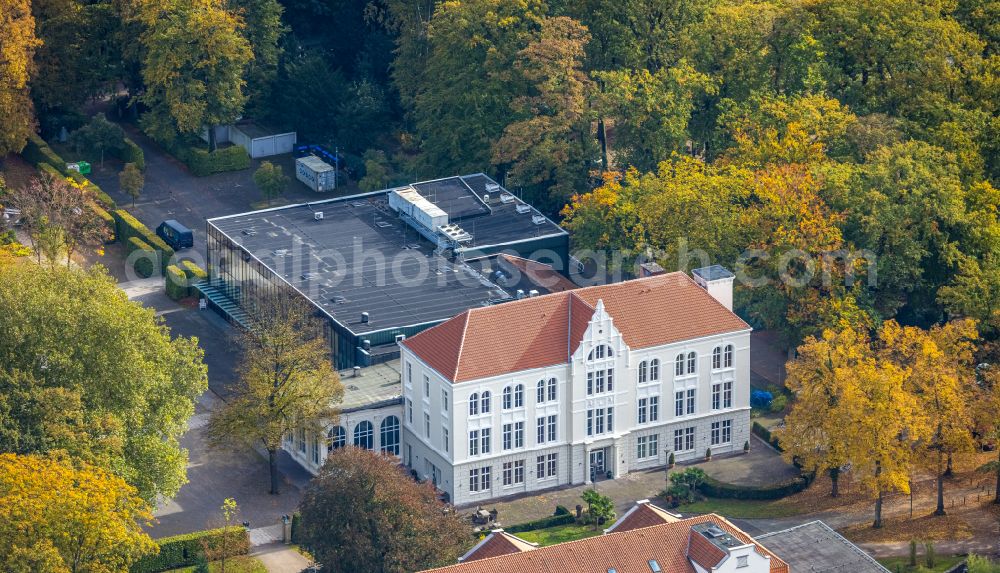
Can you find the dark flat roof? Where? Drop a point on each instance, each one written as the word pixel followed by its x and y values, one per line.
pixel 362 257
pixel 816 548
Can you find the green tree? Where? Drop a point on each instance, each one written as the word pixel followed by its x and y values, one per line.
pixel 285 380
pixel 378 171
pixel 101 379
pixel 61 516
pixel 17 44
pixel 264 31
pixel 550 149
pixel 600 508
pixel 131 180
pixel 463 94
pixel 364 514
pixel 98 136
pixel 650 111
pixel 311 94
pixel 193 68
pixel 271 181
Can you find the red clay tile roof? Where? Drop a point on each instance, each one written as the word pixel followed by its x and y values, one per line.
pixel 704 552
pixel 642 515
pixel 541 274
pixel 496 544
pixel 626 552
pixel 545 330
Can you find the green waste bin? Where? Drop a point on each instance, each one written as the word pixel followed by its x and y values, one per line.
pixel 81 167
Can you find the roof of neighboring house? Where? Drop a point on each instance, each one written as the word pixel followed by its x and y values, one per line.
pixel 373 387
pixel 545 330
pixel 497 543
pixel 703 552
pixel 625 552
pixel 816 548
pixel 642 514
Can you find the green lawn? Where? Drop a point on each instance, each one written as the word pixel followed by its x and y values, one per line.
pixel 559 534
pixel 233 565
pixel 902 564
pixel 747 509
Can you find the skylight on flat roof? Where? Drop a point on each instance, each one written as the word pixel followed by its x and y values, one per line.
pixel 654 566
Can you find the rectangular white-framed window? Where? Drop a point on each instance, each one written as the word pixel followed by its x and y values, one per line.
pixel 599 382
pixel 427 425
pixel 590 383
pixel 427 387
pixel 444 400
pixel 599 421
pixel 519 472
pixel 508 436
pixel 716 433
pixel 409 412
pixel 540 467
pixel 641 416
pixel 445 442
pixel 611 419
pixel 553 462
pixel 480 479
pixel 409 374
pixel 727 394
pixel 684 439
pixel 540 436
pixel 647 446
pixel 640 448
pixel 590 422
pixel 552 428
pixel 302 440
pixel 727 432
pixel 486 440
pixel 654 408
pixel 508 473
pixel 518 434
pixel 691 393
pixel 679 403
pixel 611 380
pixel 689 439
pixel 716 396
pixel 474 443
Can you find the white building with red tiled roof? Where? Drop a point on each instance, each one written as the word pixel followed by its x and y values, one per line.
pixel 568 387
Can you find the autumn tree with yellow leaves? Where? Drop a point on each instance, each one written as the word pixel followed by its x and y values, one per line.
pixel 60 517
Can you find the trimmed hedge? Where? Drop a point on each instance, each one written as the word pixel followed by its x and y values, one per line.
pixel 192 271
pixel 144 264
pixel 202 163
pixel 132 153
pixel 187 549
pixel 109 221
pixel 545 522
pixel 176 283
pixel 127 226
pixel 714 488
pixel 103 198
pixel 37 151
pixel 765 434
pixel 50 169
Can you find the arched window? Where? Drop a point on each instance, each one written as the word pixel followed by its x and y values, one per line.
pixel 728 356
pixel 519 396
pixel 643 372
pixel 473 404
pixel 540 392
pixel 716 358
pixel 364 435
pixel 507 397
pixel 679 365
pixel 692 362
pixel 654 369
pixel 600 352
pixel 389 435
pixel 552 389
pixel 337 438
pixel 485 401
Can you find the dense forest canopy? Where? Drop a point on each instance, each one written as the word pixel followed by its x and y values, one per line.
pixel 814 125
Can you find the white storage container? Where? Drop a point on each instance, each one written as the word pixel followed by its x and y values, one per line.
pixel 315 173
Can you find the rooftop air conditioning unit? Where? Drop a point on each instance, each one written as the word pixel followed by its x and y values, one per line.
pixel 492 187
pixel 523 208
pixel 318 215
pixel 538 219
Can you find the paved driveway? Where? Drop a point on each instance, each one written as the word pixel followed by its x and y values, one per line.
pixel 171 192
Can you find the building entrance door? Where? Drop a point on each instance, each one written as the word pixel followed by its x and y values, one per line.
pixel 596 464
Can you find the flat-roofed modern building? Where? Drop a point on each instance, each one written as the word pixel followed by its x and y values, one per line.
pixel 384 265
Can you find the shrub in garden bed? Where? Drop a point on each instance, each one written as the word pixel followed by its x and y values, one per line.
pixel 132 153
pixel 714 488
pixel 188 549
pixel 545 522
pixel 109 221
pixel 37 151
pixel 202 162
pixel 194 272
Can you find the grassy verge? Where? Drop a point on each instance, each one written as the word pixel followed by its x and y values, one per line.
pixel 559 534
pixel 902 564
pixel 740 508
pixel 241 564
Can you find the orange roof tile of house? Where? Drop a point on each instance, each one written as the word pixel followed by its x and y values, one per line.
pixel 625 552
pixel 642 514
pixel 498 543
pixel 545 330
pixel 703 552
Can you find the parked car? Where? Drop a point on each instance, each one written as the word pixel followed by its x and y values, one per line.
pixel 176 235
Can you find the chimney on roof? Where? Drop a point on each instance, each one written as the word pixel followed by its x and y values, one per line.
pixel 718 281
pixel 650 269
